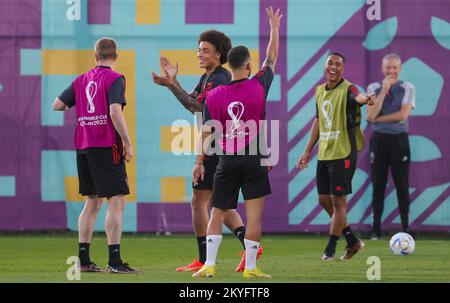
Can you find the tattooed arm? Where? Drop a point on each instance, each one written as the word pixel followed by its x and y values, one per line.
pixel 169 80
pixel 272 48
pixel 187 100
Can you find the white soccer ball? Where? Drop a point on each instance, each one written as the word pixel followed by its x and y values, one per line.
pixel 402 244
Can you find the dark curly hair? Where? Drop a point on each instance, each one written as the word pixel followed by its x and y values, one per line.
pixel 221 42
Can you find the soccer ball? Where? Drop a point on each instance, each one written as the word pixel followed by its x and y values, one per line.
pixel 402 244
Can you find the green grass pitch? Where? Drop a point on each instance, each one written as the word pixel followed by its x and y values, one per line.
pixel 288 258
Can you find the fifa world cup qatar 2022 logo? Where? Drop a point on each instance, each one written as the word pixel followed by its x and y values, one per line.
pixel 91 91
pixel 235 111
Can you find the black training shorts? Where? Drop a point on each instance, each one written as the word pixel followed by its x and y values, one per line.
pixel 334 177
pixel 235 173
pixel 101 172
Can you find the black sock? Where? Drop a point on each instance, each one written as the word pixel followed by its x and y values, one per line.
pixel 114 255
pixel 83 253
pixel 201 242
pixel 349 236
pixel 240 234
pixel 331 247
pixel 405 225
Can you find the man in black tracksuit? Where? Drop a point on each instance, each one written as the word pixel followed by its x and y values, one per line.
pixel 389 145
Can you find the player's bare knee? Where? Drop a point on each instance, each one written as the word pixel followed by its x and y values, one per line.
pixel 217 213
pixel 93 205
pixel 324 200
pixel 232 219
pixel 116 205
pixel 199 206
pixel 96 207
pixel 200 200
pixel 339 203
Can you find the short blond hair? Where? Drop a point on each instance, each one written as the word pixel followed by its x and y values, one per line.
pixel 106 48
pixel 392 56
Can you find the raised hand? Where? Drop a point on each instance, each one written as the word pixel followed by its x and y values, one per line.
pixel 274 18
pixel 169 73
pixel 170 70
pixel 163 81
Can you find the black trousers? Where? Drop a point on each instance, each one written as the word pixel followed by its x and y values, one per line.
pixel 390 150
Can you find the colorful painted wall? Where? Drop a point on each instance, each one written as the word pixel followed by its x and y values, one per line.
pixel 41 51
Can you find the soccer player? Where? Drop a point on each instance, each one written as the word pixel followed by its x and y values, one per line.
pixel 337 128
pixel 102 145
pixel 213 47
pixel 237 109
pixel 389 145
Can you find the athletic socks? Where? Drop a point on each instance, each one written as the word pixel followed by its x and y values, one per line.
pixel 251 250
pixel 83 253
pixel 201 242
pixel 212 247
pixel 114 255
pixel 349 236
pixel 240 234
pixel 330 250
